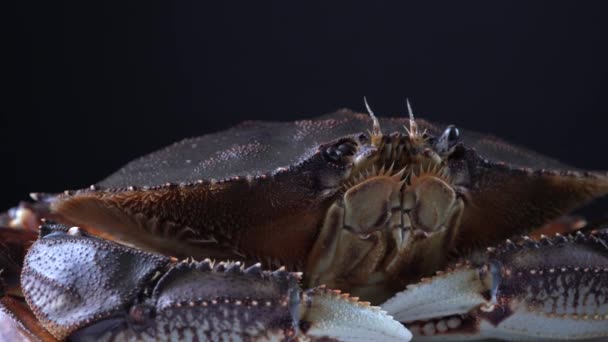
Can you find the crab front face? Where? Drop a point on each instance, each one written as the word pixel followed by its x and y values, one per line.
pixel 398 200
pixel 358 210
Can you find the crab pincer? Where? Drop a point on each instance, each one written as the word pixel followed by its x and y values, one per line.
pixel 550 289
pixel 85 288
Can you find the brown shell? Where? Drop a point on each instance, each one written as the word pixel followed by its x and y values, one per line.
pixel 257 148
pixel 262 189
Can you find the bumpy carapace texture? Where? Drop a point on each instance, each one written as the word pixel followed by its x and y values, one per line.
pixel 277 193
pixel 84 288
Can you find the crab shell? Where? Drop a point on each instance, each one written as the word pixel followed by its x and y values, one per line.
pixel 264 191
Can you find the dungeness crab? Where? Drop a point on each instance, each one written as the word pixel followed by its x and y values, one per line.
pixel 278 221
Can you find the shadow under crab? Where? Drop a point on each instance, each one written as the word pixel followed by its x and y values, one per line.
pixel 339 198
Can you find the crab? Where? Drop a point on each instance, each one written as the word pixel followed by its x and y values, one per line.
pixel 347 227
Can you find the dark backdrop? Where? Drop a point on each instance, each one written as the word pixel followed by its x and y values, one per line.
pixel 92 86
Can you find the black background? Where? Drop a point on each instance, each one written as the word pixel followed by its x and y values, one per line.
pixel 91 86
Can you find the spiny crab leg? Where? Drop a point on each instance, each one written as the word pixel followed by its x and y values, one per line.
pixel 526 290
pixel 85 288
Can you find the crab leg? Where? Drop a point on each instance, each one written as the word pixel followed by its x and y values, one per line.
pixel 530 290
pixel 84 288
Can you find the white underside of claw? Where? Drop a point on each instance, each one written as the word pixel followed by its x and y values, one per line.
pixel 448 294
pixel 525 325
pixel 451 307
pixel 339 317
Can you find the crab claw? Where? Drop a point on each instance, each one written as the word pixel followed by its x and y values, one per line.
pixel 85 288
pixel 529 290
pixel 340 317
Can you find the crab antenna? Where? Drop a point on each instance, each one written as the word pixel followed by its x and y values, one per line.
pixel 376 124
pixel 413 126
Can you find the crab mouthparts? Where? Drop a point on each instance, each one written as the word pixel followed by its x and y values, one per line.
pixel 385 216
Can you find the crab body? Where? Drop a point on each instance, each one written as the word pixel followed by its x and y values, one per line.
pixel 357 203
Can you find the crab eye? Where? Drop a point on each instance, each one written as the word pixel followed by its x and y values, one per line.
pixel 342 149
pixel 363 139
pixel 448 139
pixel 452 133
pixel 347 149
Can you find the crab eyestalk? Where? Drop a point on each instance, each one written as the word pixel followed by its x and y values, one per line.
pixel 536 290
pixel 85 288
